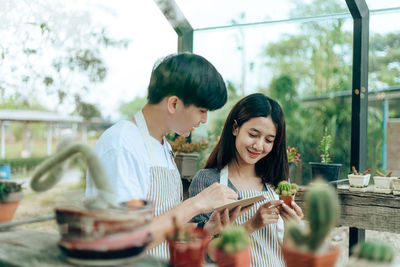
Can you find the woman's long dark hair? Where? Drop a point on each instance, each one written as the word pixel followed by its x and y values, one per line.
pixel 274 167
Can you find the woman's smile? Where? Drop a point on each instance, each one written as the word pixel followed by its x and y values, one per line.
pixel 253 155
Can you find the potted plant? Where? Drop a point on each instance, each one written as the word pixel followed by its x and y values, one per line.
pixel 373 253
pixel 10 195
pixel 359 179
pixel 186 155
pixel 304 243
pixel 233 247
pixel 98 229
pixel 325 169
pixel 187 246
pixel 286 192
pixel 383 180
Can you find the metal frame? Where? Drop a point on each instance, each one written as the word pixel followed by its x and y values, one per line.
pixel 358 153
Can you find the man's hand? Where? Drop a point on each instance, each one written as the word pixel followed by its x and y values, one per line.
pixel 267 213
pixel 214 196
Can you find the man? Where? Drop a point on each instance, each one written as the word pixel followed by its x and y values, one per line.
pixel 138 159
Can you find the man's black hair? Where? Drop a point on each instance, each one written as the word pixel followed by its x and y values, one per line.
pixel 190 77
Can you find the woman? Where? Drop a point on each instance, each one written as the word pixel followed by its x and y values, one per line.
pixel 251 158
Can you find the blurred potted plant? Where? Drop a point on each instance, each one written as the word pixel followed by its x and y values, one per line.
pixel 373 253
pixel 233 247
pixel 186 155
pixel 359 179
pixel 187 246
pixel 293 156
pixel 10 196
pixel 99 229
pixel 286 192
pixel 383 180
pixel 304 243
pixel 325 169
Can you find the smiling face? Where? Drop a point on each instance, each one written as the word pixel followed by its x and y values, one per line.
pixel 254 139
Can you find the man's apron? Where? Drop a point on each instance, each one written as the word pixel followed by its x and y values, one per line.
pixel 165 191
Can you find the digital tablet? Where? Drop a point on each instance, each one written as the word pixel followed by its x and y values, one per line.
pixel 242 202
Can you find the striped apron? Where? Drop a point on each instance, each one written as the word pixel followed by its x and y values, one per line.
pixel 165 191
pixel 265 242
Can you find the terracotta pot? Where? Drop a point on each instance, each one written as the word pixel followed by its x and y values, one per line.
pixel 294 258
pixel 287 200
pixel 9 206
pixel 189 253
pixel 238 259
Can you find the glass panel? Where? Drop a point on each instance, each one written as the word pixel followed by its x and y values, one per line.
pixel 209 13
pixel 380 4
pixel 303 65
pixel 384 98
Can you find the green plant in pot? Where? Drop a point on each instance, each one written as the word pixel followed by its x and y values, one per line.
pixel 10 196
pixel 100 228
pixel 232 247
pixel 187 246
pixel 286 192
pixel 304 244
pixel 325 169
pixel 373 253
pixel 186 155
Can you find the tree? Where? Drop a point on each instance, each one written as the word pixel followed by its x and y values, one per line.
pixel 51 50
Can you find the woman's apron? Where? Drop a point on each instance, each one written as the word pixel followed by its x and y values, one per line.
pixel 165 191
pixel 265 242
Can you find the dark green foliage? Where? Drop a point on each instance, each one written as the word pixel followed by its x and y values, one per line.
pixel 322 213
pixel 7 187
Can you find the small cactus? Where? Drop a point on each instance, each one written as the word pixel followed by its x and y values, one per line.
pixel 232 239
pixel 374 250
pixel 383 174
pixel 324 146
pixel 54 166
pixel 286 189
pixel 322 213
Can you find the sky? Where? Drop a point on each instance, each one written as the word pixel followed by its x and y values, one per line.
pixel 152 38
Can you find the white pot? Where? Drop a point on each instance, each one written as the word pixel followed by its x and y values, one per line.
pixel 396 183
pixel 359 180
pixel 383 182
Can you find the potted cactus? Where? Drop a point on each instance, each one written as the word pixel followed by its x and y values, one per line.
pixel 187 246
pixel 233 247
pixel 10 195
pixel 373 253
pixel 383 180
pixel 325 169
pixel 101 229
pixel 286 192
pixel 359 179
pixel 304 244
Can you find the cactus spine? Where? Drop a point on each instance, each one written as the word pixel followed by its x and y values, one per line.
pixel 322 213
pixel 54 166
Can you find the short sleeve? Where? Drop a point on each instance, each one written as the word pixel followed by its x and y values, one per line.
pixel 127 175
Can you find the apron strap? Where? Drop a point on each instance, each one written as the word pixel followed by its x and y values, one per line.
pixel 141 123
pixel 223 177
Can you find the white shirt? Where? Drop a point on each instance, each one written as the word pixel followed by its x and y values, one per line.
pixel 122 151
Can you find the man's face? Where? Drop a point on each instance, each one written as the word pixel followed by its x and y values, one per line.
pixel 188 118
